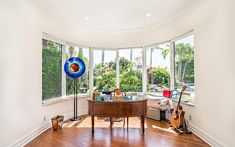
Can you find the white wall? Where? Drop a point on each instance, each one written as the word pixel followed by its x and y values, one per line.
pixel 214 69
pixel 20 77
pixel 213 25
pixel 21 28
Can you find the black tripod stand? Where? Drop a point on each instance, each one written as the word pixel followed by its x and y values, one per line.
pixel 75 100
pixel 183 129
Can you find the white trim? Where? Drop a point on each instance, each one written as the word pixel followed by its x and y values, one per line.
pixel 61 99
pixel 144 71
pixel 61 41
pixel 156 44
pixel 186 34
pixel 206 137
pixel 172 65
pixel 91 76
pixel 117 70
pixel 42 128
pixel 183 102
pixel 63 80
pixel 53 38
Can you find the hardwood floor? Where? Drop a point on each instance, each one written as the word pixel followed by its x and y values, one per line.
pixel 157 134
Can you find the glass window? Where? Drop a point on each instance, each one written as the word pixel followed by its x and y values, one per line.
pixel 130 66
pixel 51 69
pixel 158 68
pixel 83 81
pixel 130 69
pixel 184 66
pixel 104 70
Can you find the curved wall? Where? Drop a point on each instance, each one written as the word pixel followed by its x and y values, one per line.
pixel 21 111
pixel 163 31
pixel 212 22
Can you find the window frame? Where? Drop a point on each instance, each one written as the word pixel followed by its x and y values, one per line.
pixel 91 64
pixel 61 58
pixel 173 76
pixel 64 82
pixel 63 96
pixel 142 50
pixel 92 67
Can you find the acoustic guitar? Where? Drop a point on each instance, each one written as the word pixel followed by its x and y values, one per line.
pixel 177 118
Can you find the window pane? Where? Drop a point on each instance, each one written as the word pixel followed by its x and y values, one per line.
pixel 51 69
pixel 104 70
pixel 158 68
pixel 130 66
pixel 83 81
pixel 184 66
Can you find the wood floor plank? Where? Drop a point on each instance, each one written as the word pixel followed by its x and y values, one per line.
pixel 157 134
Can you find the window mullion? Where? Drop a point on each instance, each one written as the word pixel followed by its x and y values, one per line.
pixel 63 75
pixel 91 76
pixel 172 65
pixel 117 70
pixel 144 73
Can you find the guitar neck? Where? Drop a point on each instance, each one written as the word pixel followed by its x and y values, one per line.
pixel 181 93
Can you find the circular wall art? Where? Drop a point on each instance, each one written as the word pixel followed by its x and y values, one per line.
pixel 74 67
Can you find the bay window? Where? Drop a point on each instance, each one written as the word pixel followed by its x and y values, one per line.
pixel 167 65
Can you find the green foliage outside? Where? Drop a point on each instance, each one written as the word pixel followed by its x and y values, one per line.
pixel 184 63
pixel 105 76
pixel 161 76
pixel 106 81
pixel 131 81
pixel 105 73
pixel 184 67
pixel 51 70
pixel 184 70
pixel 130 78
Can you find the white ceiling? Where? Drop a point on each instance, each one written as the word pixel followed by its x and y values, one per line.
pixel 112 15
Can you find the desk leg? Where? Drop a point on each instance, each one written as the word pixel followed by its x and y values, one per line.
pixel 127 123
pixel 92 124
pixel 111 122
pixel 142 123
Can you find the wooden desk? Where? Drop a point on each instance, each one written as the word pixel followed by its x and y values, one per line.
pixel 125 108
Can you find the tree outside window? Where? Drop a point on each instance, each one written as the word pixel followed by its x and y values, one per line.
pixel 104 70
pixel 51 69
pixel 158 68
pixel 130 66
pixel 184 66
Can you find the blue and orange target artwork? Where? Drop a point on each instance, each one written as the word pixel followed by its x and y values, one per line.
pixel 74 67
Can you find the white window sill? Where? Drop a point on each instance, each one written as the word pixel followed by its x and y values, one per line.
pixel 63 98
pixel 151 96
pixel 185 103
